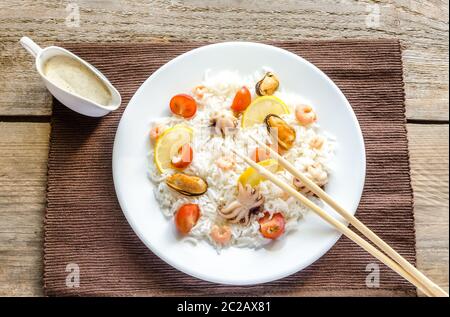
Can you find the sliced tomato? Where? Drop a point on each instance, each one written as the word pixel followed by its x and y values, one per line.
pixel 183 105
pixel 241 100
pixel 186 217
pixel 272 228
pixel 184 157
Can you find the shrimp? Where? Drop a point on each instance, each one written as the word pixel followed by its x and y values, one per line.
pixel 317 143
pixel 225 162
pixel 317 174
pixel 260 154
pixel 305 114
pixel 221 235
pixel 156 131
pixel 199 91
pixel 284 195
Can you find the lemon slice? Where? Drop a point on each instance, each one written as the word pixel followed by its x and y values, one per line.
pixel 260 108
pixel 253 178
pixel 168 144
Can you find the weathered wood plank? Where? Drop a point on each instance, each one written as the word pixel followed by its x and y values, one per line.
pixel 422 27
pixel 23 160
pixel 429 170
pixel 23 170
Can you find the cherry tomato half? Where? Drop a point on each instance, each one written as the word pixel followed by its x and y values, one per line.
pixel 183 105
pixel 184 157
pixel 241 100
pixel 272 228
pixel 186 217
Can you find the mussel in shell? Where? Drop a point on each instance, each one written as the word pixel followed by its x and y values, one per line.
pixel 279 129
pixel 187 185
pixel 267 85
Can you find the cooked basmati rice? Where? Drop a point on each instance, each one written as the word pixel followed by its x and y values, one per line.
pixel 219 90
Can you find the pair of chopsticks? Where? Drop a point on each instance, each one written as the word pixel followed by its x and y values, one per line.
pixel 390 257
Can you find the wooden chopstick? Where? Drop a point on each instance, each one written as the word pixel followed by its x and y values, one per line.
pixel 430 285
pixel 337 224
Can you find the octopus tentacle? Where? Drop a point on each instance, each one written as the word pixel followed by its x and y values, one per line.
pixel 248 200
pixel 231 207
pixel 232 214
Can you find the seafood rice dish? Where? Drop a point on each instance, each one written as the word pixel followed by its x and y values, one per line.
pixel 210 194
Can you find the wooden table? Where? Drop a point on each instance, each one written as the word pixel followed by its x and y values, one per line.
pixel 25 105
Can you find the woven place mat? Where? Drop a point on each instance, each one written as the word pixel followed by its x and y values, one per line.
pixel 84 224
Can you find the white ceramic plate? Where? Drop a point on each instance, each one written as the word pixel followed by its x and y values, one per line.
pixel 235 266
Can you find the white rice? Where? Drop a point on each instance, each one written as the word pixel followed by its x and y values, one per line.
pixel 220 89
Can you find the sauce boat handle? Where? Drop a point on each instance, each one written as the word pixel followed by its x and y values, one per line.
pixel 30 46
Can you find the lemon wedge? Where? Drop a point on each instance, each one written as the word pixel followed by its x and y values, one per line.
pixel 168 144
pixel 260 108
pixel 253 178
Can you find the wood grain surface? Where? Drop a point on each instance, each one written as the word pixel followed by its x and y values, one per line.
pixel 429 173
pixel 23 175
pixel 422 27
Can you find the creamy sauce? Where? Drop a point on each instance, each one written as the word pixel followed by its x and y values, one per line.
pixel 72 76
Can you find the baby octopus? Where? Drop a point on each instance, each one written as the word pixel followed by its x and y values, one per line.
pixel 223 123
pixel 249 200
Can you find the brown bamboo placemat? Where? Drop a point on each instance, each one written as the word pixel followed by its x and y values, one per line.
pixel 85 225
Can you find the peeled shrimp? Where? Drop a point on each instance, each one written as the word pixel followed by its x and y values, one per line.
pixel 156 131
pixel 260 154
pixel 305 114
pixel 199 91
pixel 225 162
pixel 221 235
pixel 317 174
pixel 316 143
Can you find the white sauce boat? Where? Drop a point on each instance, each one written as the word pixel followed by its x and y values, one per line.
pixel 73 101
